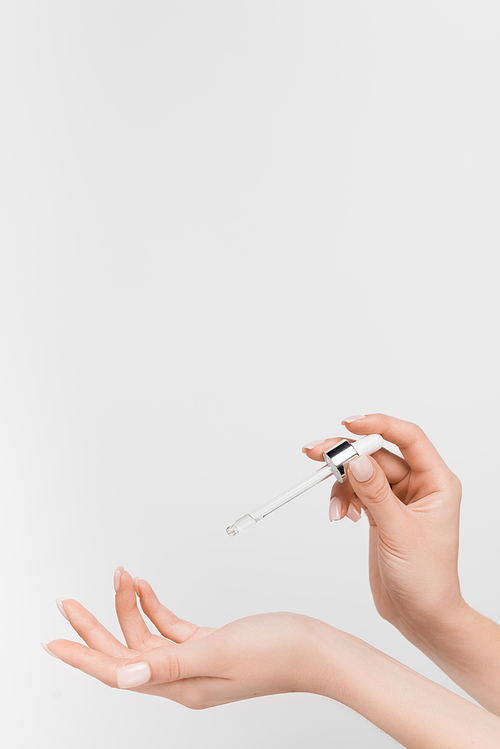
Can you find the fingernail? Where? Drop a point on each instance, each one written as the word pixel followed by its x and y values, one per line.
pixel 47 650
pixel 117 578
pixel 361 468
pixel 312 444
pixel 353 514
pixel 351 418
pixel 335 509
pixel 61 607
pixel 133 675
pixel 136 581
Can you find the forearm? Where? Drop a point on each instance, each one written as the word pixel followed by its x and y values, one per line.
pixel 466 646
pixel 406 705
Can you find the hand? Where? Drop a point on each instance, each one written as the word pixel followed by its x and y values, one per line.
pixel 198 667
pixel 412 506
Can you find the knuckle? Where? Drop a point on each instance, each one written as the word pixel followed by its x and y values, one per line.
pixel 91 625
pixel 128 607
pixel 144 639
pixel 173 667
pixel 86 658
pixel 151 607
pixel 415 434
pixel 455 484
pixel 384 419
pixel 379 491
pixel 154 607
pixel 169 618
pixel 155 604
pixel 383 612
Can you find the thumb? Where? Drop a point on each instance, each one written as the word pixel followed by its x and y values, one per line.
pixel 370 484
pixel 167 663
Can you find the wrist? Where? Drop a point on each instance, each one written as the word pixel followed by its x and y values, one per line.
pixel 406 705
pixel 430 630
pixel 338 663
pixel 318 674
pixel 466 646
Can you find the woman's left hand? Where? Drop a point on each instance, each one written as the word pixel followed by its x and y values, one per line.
pixel 198 667
pixel 268 654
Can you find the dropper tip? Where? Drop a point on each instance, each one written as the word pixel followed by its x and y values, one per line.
pixel 231 530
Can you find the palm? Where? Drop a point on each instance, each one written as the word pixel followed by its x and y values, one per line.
pixel 105 653
pixel 397 569
pixel 233 666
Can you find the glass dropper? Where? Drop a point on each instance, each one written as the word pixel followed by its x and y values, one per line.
pixel 335 460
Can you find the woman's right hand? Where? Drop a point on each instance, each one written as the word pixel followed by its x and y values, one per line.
pixel 413 505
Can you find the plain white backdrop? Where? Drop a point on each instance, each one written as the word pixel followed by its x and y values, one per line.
pixel 225 226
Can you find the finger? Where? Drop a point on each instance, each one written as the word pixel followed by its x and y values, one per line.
pixel 105 668
pixel 344 503
pixel 135 631
pixel 353 511
pixel 395 468
pixel 177 630
pixel 371 486
pixel 92 662
pixel 341 496
pixel 169 664
pixel 350 504
pixel 92 631
pixel 417 449
pixel 316 448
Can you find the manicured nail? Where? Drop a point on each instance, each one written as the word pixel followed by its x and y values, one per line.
pixel 133 675
pixel 351 418
pixel 335 509
pixel 117 578
pixel 361 468
pixel 312 444
pixel 353 514
pixel 47 650
pixel 61 607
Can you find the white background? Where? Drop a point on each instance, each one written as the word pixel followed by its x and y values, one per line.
pixel 225 226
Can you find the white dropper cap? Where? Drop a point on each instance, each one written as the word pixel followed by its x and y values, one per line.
pixel 369 444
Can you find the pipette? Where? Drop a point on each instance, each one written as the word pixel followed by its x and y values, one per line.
pixel 335 461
